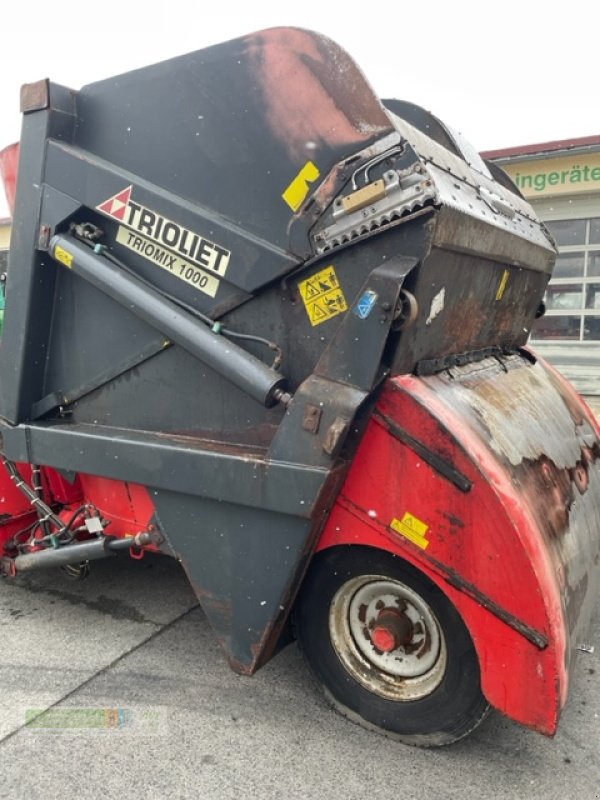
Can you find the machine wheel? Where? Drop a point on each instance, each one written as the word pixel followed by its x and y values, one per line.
pixel 388 647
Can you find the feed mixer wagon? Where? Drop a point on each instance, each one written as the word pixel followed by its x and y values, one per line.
pixel 266 324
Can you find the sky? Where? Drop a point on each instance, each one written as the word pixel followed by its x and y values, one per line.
pixel 503 74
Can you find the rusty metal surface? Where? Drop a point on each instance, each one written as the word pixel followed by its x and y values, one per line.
pixel 442 158
pixel 481 204
pixel 332 103
pixel 540 432
pixel 35 96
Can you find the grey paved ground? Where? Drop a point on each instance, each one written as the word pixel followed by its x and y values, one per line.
pixel 131 637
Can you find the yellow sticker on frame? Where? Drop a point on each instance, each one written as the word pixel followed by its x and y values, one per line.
pixel 412 528
pixel 502 285
pixel 296 192
pixel 62 255
pixel 322 296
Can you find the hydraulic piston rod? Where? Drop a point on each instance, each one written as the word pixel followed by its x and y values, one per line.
pixel 76 553
pixel 232 362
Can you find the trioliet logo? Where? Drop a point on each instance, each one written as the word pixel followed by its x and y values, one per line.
pixel 151 225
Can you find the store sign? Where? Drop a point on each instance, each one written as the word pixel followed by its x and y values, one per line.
pixel 556 176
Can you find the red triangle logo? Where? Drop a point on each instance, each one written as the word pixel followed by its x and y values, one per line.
pixel 116 205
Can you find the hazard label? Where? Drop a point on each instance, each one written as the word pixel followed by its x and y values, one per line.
pixel 412 528
pixel 322 296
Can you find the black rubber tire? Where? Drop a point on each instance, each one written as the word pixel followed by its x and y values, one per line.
pixel 450 711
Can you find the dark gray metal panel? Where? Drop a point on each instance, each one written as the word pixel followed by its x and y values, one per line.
pixel 505 242
pixel 336 405
pixel 92 180
pixel 188 466
pixel 91 341
pixel 30 283
pixel 192 401
pixel 346 374
pixel 143 301
pixel 244 564
pixel 75 391
pixel 355 352
pixel 232 125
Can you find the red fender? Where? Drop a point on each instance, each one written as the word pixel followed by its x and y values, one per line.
pixel 487 478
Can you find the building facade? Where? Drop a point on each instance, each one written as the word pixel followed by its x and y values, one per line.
pixel 562 182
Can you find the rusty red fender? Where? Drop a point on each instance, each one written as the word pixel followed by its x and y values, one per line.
pixel 487 478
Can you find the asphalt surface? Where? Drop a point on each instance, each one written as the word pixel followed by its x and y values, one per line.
pixel 131 637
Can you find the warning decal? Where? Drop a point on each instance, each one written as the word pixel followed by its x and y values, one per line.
pixel 322 296
pixel 411 528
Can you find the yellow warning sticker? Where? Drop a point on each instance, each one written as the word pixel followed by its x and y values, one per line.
pixel 412 528
pixel 322 296
pixel 502 285
pixel 62 255
pixel 296 192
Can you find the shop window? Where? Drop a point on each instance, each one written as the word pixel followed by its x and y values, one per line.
pixel 591 329
pixel 573 295
pixel 569 265
pixel 568 232
pixel 561 328
pixel 592 296
pixel 563 297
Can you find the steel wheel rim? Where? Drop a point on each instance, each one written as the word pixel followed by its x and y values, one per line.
pixel 411 670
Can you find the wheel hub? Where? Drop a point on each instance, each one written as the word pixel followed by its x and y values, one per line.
pixel 387 637
pixel 392 630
